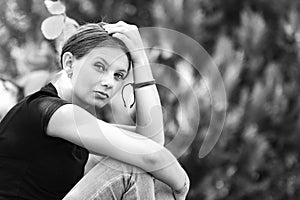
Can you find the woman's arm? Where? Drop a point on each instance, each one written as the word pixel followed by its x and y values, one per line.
pixel 125 127
pixel 76 125
pixel 149 118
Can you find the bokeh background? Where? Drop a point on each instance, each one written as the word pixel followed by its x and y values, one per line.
pixel 255 45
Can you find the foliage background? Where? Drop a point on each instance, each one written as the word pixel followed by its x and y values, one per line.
pixel 255 44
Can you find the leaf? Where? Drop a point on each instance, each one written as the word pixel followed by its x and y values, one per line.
pixel 55 7
pixel 52 26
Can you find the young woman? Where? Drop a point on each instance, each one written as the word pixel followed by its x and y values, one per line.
pixel 45 139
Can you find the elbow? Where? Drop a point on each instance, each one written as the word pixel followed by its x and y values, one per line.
pixel 157 125
pixel 159 135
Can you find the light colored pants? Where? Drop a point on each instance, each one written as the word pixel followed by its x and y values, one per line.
pixel 110 179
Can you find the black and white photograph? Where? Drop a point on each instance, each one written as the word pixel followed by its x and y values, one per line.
pixel 149 99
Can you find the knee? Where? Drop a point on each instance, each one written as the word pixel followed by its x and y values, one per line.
pixel 128 170
pixel 116 168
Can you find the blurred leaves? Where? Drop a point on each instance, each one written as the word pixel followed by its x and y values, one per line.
pixel 55 7
pixel 52 26
pixel 255 46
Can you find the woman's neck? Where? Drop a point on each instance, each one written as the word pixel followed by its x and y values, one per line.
pixel 63 85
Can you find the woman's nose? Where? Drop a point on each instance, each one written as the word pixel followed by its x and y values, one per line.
pixel 107 82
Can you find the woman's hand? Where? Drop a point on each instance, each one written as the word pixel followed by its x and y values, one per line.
pixel 182 193
pixel 130 35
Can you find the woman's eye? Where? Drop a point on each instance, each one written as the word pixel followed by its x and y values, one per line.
pixel 100 67
pixel 119 76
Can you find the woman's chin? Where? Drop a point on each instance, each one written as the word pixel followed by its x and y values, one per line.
pixel 100 104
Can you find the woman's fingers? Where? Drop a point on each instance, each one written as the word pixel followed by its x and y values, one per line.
pixel 130 35
pixel 121 24
pixel 121 27
pixel 116 29
pixel 122 37
pixel 128 32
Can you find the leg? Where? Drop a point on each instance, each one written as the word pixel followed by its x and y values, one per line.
pixel 111 179
pixel 92 162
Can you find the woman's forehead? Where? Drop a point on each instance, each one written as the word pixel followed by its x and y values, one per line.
pixel 109 55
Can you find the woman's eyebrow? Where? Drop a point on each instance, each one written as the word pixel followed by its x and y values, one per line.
pixel 103 60
pixel 106 63
pixel 122 70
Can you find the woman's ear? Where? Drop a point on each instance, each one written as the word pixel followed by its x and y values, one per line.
pixel 67 62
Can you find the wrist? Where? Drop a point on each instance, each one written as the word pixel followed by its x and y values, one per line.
pixel 143 84
pixel 142 73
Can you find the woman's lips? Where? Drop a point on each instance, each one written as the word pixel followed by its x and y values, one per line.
pixel 102 94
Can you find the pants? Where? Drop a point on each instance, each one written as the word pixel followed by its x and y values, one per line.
pixel 110 179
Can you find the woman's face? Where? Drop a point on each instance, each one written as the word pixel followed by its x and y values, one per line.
pixel 98 76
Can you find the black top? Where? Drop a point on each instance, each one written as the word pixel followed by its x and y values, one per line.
pixel 34 165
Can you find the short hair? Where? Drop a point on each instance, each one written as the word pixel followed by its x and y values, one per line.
pixel 90 36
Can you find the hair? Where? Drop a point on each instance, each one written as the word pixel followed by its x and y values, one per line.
pixel 90 36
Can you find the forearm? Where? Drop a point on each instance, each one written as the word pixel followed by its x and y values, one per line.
pixel 74 124
pixel 149 118
pixel 170 171
pixel 161 163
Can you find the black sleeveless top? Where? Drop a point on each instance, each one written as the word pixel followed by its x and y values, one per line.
pixel 34 165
